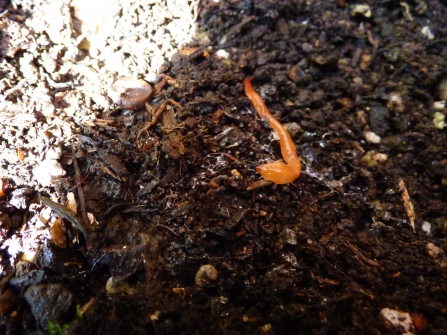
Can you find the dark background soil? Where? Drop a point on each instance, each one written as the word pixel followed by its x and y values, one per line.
pixel 323 255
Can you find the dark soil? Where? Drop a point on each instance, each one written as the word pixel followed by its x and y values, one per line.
pixel 107 214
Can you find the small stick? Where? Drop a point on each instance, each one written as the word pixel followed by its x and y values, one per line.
pixel 176 104
pixel 234 159
pixel 85 308
pixel 258 184
pixel 166 227
pixel 80 190
pixel 358 253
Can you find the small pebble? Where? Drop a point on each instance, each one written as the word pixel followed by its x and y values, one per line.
pixel 439 105
pixel 46 170
pixel 364 10
pixel 439 120
pixel 426 226
pixel 398 319
pixel 129 93
pixel 373 158
pixel 289 236
pixel 437 254
pixel 307 47
pixel 153 78
pixel 372 137
pixel 395 103
pixel 293 128
pixel 206 275
pixel 115 285
pixel 427 32
pixel 48 110
pixel 223 54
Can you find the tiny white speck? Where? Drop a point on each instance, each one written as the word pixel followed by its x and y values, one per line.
pixel 221 53
pixel 426 226
pixel 427 32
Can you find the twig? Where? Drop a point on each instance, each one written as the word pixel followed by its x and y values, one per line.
pixel 80 190
pixel 360 256
pixel 175 103
pixel 258 184
pixel 166 227
pixel 85 308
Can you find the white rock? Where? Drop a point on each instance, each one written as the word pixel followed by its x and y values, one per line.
pixel 222 54
pixel 439 105
pixel 427 32
pixel 53 153
pixel 372 137
pixel 426 226
pixel 364 10
pixel 48 109
pixel 47 170
pixel 401 320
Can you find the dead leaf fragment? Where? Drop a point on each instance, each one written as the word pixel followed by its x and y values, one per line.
pixel 58 232
pixel 71 202
pixel 407 203
pixel 180 291
pixel 186 51
pixel 20 155
pixel 365 61
pixel 346 103
pixel 89 304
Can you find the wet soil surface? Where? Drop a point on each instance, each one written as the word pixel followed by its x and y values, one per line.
pixel 129 209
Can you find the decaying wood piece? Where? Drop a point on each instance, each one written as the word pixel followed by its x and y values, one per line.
pixel 407 204
pixel 157 114
pixel 173 146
